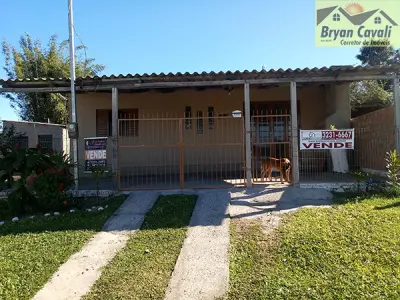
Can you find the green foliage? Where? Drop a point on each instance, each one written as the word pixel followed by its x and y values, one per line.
pixel 369 92
pixel 393 173
pixel 44 177
pixel 7 139
pixel 49 188
pixel 32 60
pixel 378 56
pixel 7 144
pixel 374 93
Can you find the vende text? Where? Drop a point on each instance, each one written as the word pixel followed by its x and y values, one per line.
pixel 95 154
pixel 348 145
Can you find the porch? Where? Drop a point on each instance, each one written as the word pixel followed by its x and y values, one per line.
pixel 178 131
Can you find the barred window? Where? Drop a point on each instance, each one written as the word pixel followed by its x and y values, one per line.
pixel 199 122
pixel 45 141
pixel 188 116
pixel 20 141
pixel 104 122
pixel 211 117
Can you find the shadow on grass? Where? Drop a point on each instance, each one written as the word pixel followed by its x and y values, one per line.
pixel 79 220
pixel 393 205
pixel 126 213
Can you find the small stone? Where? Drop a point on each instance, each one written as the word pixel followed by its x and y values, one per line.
pixel 56 213
pixel 147 251
pixel 15 219
pixel 88 210
pixel 71 210
pixel 106 206
pixel 1 223
pixel 100 208
pixel 93 207
pixel 31 217
pixel 47 215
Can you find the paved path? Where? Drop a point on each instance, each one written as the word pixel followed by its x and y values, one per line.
pixel 202 269
pixel 76 276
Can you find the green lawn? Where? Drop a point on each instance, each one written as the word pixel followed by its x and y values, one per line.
pixel 32 250
pixel 350 251
pixel 143 268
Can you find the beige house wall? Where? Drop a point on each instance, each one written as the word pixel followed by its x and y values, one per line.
pixel 198 149
pixel 33 129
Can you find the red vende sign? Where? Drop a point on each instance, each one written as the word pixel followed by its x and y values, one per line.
pixel 348 145
pixel 327 139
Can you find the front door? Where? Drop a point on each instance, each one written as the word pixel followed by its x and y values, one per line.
pixel 271 132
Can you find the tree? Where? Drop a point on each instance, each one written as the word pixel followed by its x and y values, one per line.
pixel 32 60
pixel 370 93
pixel 378 56
pixel 366 96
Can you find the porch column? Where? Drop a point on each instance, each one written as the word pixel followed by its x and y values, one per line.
pixel 114 127
pixel 295 133
pixel 396 96
pixel 248 134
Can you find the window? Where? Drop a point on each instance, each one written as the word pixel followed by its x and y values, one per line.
pixel 199 122
pixel 188 116
pixel 336 17
pixel 210 117
pixel 45 141
pixel 20 141
pixel 378 20
pixel 129 127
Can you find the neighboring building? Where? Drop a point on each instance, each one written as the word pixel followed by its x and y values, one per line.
pixel 49 136
pixel 177 130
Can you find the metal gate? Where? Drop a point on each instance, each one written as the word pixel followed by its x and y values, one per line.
pixel 178 153
pixel 271 137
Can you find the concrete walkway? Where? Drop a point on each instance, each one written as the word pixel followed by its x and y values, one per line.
pixel 202 269
pixel 76 276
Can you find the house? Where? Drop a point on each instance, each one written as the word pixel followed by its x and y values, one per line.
pixel 210 129
pixel 49 136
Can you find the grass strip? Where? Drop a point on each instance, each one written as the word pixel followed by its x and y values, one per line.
pixel 142 269
pixel 31 250
pixel 350 251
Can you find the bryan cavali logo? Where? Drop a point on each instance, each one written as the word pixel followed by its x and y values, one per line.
pixel 370 23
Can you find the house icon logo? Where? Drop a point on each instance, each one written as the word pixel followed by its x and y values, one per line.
pixel 367 23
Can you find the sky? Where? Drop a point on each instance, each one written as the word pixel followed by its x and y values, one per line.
pixel 133 36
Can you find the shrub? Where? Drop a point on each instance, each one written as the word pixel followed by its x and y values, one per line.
pixel 49 187
pixel 44 177
pixel 393 173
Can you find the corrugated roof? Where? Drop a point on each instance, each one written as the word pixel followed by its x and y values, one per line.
pixel 333 73
pixel 229 75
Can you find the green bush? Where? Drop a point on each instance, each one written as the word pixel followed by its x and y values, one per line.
pixel 49 188
pixel 44 178
pixel 393 173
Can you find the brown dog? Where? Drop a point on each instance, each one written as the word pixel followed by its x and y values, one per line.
pixel 283 165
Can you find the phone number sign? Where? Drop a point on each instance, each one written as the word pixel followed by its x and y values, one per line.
pixel 326 139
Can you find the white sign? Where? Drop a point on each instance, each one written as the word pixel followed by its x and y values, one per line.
pixel 326 139
pixel 237 114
